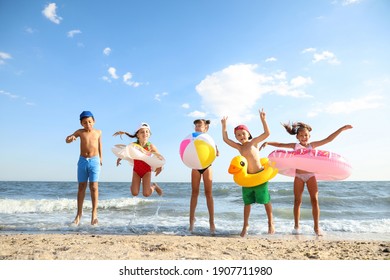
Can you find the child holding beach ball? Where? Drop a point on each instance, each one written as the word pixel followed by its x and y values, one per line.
pixel 198 151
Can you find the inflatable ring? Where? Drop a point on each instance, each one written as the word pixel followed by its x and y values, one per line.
pixel 134 151
pixel 238 167
pixel 326 165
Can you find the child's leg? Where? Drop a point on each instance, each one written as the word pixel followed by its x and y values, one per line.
pixel 208 190
pixel 80 202
pixel 135 184
pixel 312 187
pixel 93 187
pixel 147 187
pixel 157 188
pixel 268 210
pixel 247 212
pixel 195 183
pixel 299 186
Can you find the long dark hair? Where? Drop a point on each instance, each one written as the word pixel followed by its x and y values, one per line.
pixel 143 125
pixel 207 122
pixel 295 127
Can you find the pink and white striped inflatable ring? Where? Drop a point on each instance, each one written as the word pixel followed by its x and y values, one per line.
pixel 326 165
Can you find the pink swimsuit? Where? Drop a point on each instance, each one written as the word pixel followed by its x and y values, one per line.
pixel 303 176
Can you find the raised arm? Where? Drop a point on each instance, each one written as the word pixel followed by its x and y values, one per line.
pixel 266 132
pixel 225 136
pixel 331 137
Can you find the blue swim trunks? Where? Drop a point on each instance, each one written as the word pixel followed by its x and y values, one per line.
pixel 88 168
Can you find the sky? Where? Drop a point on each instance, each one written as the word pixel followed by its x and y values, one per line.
pixel 167 63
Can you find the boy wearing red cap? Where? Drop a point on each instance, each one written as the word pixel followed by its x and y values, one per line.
pixel 90 161
pixel 249 148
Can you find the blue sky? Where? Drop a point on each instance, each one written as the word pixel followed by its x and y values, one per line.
pixel 325 62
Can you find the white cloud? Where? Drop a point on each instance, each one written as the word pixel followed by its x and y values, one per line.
pixel 349 2
pixel 353 105
pixel 295 88
pixel 50 13
pixel 232 91
pixel 106 79
pixel 325 56
pixel 271 59
pixel 282 75
pixel 197 114
pixel 8 94
pixel 107 51
pixel 235 90
pixel 127 77
pixel 185 105
pixel 112 72
pixel 369 102
pixel 309 50
pixel 300 81
pixel 73 32
pixel 159 95
pixel 30 30
pixel 127 80
pixel 4 56
pixel 16 97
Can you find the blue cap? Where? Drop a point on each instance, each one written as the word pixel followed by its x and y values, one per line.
pixel 85 114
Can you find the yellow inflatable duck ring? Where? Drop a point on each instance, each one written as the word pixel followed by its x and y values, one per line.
pixel 238 167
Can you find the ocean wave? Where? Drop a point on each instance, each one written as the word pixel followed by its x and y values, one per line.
pixel 357 226
pixel 13 206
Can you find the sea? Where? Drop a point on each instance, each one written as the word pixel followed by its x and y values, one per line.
pixel 354 210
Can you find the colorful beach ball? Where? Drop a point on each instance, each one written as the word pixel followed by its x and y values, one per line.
pixel 197 150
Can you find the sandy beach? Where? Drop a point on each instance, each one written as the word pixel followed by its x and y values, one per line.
pixel 166 247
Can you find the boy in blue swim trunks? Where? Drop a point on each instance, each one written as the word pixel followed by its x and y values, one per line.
pixel 249 148
pixel 89 164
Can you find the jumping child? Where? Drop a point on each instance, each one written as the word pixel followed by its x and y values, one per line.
pixel 89 163
pixel 302 177
pixel 249 148
pixel 141 170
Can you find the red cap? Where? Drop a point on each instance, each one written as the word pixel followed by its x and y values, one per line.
pixel 242 127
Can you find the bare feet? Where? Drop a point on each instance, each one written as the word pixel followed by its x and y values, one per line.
pixel 94 221
pixel 295 231
pixel 212 230
pixel 271 228
pixel 318 232
pixel 244 231
pixel 76 220
pixel 191 228
pixel 158 190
